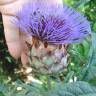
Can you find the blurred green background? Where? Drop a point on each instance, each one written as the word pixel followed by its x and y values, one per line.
pixel 81 69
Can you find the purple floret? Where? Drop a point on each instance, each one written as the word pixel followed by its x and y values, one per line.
pixel 53 24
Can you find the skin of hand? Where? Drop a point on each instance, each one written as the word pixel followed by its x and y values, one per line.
pixel 14 38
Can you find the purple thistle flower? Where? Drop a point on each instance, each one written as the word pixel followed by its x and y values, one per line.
pixel 53 24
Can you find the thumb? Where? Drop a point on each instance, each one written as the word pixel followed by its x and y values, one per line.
pixel 12 37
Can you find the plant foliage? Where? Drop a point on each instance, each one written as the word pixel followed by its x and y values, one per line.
pixel 78 79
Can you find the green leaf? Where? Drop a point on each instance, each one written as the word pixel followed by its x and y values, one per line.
pixel 69 76
pixel 91 66
pixel 79 88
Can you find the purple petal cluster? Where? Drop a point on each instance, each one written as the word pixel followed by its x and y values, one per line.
pixel 53 24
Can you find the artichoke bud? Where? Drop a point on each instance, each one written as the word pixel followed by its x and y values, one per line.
pixel 48 59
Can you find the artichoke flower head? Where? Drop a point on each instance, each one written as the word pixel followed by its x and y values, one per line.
pixel 52 28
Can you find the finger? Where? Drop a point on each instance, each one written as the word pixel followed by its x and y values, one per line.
pixel 24 58
pixel 24 55
pixel 10 8
pixel 12 36
pixel 26 37
pixel 13 7
pixel 3 2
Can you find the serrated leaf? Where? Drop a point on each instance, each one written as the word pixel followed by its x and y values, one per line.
pixel 91 66
pixel 79 88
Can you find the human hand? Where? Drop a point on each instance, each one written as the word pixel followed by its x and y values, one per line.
pixel 14 38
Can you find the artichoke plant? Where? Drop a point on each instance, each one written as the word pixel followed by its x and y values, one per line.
pixel 52 28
